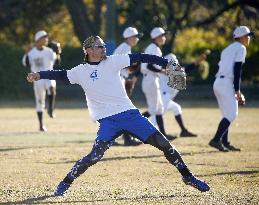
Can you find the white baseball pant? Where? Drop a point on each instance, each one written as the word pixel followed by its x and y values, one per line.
pixel 40 87
pixel 150 87
pixel 225 94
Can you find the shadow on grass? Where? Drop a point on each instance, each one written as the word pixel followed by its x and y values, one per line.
pixel 13 149
pixel 136 157
pixel 231 173
pixel 34 200
pixel 39 200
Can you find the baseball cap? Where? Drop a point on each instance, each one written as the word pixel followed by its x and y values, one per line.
pixel 242 31
pixel 157 31
pixel 130 31
pixel 40 34
pixel 170 57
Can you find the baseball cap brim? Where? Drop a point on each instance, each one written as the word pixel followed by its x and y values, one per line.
pixel 252 33
pixel 140 35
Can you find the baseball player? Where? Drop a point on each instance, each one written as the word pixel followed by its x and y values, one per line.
pixel 129 76
pixel 168 95
pixel 150 82
pixel 227 86
pixel 40 58
pixel 109 104
pixel 51 91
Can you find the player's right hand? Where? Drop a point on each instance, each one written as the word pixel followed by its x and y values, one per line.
pixel 33 77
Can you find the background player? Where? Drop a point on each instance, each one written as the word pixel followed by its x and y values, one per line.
pixel 150 82
pixel 40 58
pixel 129 75
pixel 98 76
pixel 227 86
pixel 168 95
pixel 51 91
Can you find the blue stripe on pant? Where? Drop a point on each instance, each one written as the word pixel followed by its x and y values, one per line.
pixel 129 121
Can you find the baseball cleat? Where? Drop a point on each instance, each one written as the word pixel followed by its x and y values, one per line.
pixel 62 189
pixel 130 141
pixel 186 133
pixel 196 183
pixel 43 129
pixel 219 146
pixel 170 137
pixel 232 148
pixel 51 114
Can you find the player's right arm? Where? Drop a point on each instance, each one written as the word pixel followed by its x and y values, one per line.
pixel 25 60
pixel 49 74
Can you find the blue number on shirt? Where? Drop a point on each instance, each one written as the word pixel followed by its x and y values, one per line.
pixel 94 75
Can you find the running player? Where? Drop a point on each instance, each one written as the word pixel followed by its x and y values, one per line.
pixel 40 58
pixel 168 95
pixel 109 104
pixel 150 82
pixel 227 86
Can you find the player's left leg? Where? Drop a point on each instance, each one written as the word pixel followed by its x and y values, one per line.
pixel 82 165
pixel 177 110
pixel 39 92
pixel 108 131
pixel 51 93
pixel 147 133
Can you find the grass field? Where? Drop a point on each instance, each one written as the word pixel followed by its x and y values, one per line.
pixel 33 163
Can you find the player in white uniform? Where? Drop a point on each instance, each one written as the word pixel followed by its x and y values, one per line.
pixel 227 86
pixel 168 95
pixel 109 104
pixel 41 58
pixel 150 82
pixel 131 37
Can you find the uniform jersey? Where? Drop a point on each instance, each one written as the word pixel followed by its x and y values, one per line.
pixel 235 52
pixel 123 48
pixel 152 49
pixel 104 91
pixel 40 60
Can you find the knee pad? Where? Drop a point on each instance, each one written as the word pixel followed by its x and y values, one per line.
pixel 159 141
pixel 172 155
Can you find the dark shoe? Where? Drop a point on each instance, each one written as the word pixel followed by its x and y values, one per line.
pixel 219 146
pixel 196 183
pixel 170 137
pixel 50 113
pixel 62 189
pixel 232 148
pixel 186 133
pixel 132 142
pixel 43 129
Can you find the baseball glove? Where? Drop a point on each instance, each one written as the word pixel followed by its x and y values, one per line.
pixel 241 99
pixel 176 74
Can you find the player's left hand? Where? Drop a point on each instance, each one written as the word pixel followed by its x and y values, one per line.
pixel 31 77
pixel 240 98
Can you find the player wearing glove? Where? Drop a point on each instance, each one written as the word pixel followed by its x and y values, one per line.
pixel 40 58
pixel 150 81
pixel 177 82
pixel 109 104
pixel 227 86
